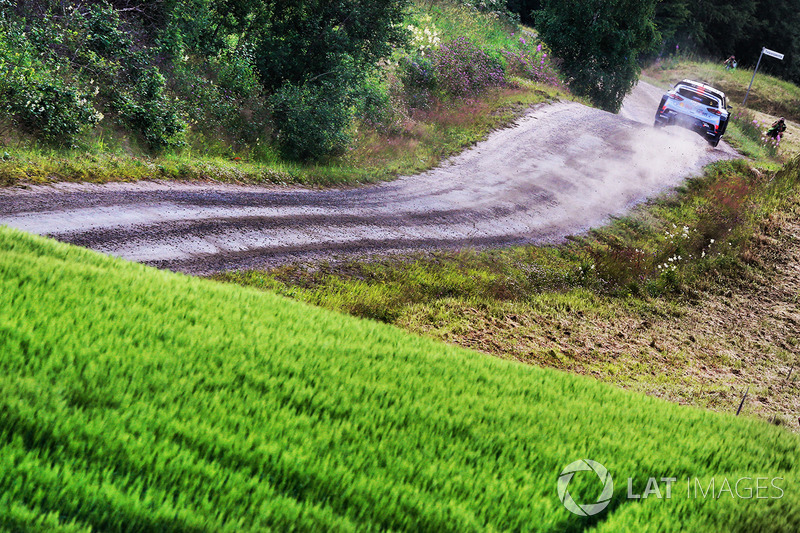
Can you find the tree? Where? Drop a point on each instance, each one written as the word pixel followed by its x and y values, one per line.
pixel 721 24
pixel 524 8
pixel 599 42
pixel 301 41
pixel 313 56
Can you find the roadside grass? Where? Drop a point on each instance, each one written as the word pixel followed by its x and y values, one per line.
pixel 141 400
pixel 427 137
pixel 648 302
pixel 421 143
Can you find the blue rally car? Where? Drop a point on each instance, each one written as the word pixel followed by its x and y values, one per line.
pixel 695 106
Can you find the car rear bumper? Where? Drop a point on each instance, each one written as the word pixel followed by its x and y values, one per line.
pixel 670 118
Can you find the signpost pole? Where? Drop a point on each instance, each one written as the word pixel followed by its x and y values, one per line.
pixel 754 78
pixel 770 53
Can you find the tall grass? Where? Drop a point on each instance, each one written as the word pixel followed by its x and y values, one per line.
pixel 140 400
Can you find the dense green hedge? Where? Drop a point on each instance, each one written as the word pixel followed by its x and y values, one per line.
pixel 140 400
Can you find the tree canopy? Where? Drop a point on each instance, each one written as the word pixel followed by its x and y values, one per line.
pixel 740 27
pixel 599 42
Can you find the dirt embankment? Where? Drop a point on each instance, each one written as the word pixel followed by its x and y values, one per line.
pixel 560 170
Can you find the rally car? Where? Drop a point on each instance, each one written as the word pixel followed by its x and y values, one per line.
pixel 695 106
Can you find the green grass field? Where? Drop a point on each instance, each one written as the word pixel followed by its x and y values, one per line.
pixel 140 400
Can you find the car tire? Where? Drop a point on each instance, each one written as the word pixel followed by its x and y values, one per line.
pixel 723 126
pixel 714 141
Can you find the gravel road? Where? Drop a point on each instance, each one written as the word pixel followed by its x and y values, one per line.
pixel 560 170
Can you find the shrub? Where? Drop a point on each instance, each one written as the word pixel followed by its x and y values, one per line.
pixel 418 75
pixel 374 102
pixel 499 8
pixel 237 72
pixel 531 65
pixel 105 35
pixel 55 113
pixel 149 112
pixel 36 96
pixel 463 69
pixel 310 120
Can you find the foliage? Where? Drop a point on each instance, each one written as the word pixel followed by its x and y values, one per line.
pixel 301 42
pixel 55 113
pixel 525 9
pixel 36 95
pixel 311 121
pixel 599 42
pixel 755 130
pixel 148 110
pixel 498 8
pixel 531 65
pixel 463 69
pixel 425 36
pixel 142 400
pixel 237 72
pixel 418 75
pixel 742 27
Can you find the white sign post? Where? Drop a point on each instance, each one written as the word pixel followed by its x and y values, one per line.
pixel 764 51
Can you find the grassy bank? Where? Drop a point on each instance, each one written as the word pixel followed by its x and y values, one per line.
pixel 407 124
pixel 440 132
pixel 143 400
pixel 648 303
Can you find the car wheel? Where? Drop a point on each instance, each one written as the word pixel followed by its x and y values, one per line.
pixel 714 141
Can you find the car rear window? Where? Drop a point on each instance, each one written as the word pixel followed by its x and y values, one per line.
pixel 699 98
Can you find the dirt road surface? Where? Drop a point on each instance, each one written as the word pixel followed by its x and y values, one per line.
pixel 561 169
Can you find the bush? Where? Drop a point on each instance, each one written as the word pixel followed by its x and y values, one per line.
pixel 54 113
pixel 499 8
pixel 35 96
pixel 237 72
pixel 463 69
pixel 310 121
pixel 418 75
pixel 148 111
pixel 374 102
pixel 105 35
pixel 533 66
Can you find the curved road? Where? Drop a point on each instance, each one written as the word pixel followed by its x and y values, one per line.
pixel 560 170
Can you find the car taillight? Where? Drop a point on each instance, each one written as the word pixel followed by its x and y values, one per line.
pixel 676 97
pixel 714 110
